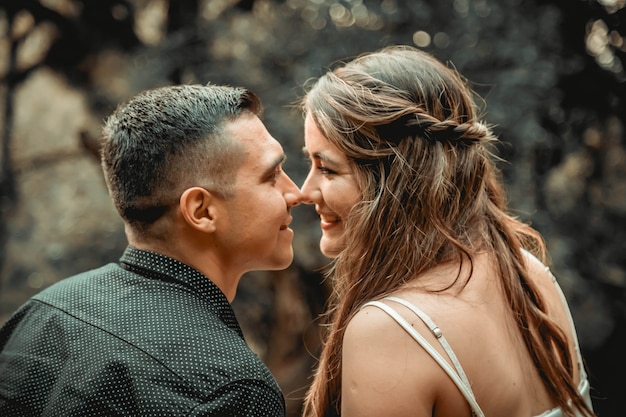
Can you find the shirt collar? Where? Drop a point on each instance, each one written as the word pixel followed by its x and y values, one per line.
pixel 160 267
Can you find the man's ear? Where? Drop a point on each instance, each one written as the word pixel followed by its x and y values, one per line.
pixel 197 207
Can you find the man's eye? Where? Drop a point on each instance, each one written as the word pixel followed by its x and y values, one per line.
pixel 275 174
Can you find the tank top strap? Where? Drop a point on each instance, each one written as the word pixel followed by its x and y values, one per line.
pixel 456 374
pixel 436 331
pixel 579 358
pixel 581 367
pixel 583 387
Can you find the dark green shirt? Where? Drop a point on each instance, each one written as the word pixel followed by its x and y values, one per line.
pixel 149 336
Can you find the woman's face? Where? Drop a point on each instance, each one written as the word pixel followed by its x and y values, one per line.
pixel 330 185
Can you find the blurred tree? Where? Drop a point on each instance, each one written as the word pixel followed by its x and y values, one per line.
pixel 583 172
pixel 551 71
pixel 76 37
pixel 182 16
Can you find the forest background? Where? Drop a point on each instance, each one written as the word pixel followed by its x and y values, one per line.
pixel 552 73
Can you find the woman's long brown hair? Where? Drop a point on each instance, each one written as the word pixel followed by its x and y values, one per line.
pixel 431 194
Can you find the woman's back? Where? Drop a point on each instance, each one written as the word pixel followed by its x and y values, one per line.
pixel 481 330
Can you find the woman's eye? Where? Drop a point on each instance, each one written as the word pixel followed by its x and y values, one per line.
pixel 325 170
pixel 315 164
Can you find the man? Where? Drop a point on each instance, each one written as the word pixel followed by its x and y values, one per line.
pixel 198 181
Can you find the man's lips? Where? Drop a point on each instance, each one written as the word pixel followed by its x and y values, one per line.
pixel 287 223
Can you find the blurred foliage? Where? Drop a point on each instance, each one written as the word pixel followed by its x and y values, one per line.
pixel 552 73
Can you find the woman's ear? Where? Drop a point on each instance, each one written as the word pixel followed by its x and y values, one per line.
pixel 197 207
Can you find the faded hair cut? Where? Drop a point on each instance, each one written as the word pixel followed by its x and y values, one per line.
pixel 165 140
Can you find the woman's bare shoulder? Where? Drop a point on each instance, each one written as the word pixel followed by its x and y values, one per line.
pixel 383 372
pixel 546 283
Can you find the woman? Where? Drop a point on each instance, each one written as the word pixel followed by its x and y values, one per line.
pixel 442 303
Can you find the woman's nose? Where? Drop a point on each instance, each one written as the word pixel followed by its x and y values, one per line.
pixel 310 193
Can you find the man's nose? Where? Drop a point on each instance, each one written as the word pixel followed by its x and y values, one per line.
pixel 292 193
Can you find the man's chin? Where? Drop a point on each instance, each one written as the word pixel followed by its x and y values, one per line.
pixel 281 262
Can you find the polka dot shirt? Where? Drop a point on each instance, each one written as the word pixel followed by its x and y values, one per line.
pixel 149 336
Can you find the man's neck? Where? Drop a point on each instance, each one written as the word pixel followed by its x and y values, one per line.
pixel 199 258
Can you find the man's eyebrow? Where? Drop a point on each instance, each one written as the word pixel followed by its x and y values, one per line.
pixel 277 162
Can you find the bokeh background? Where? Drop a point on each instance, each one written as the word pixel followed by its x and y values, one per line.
pixel 552 74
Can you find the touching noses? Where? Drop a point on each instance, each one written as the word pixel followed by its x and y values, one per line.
pixel 310 193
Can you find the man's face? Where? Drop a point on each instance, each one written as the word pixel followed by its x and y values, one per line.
pixel 255 234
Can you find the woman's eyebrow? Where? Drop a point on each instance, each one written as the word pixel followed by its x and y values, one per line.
pixel 318 155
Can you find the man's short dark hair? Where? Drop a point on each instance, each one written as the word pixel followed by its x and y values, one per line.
pixel 165 140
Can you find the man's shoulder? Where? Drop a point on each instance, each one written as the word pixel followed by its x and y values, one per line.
pixel 81 282
pixel 161 318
